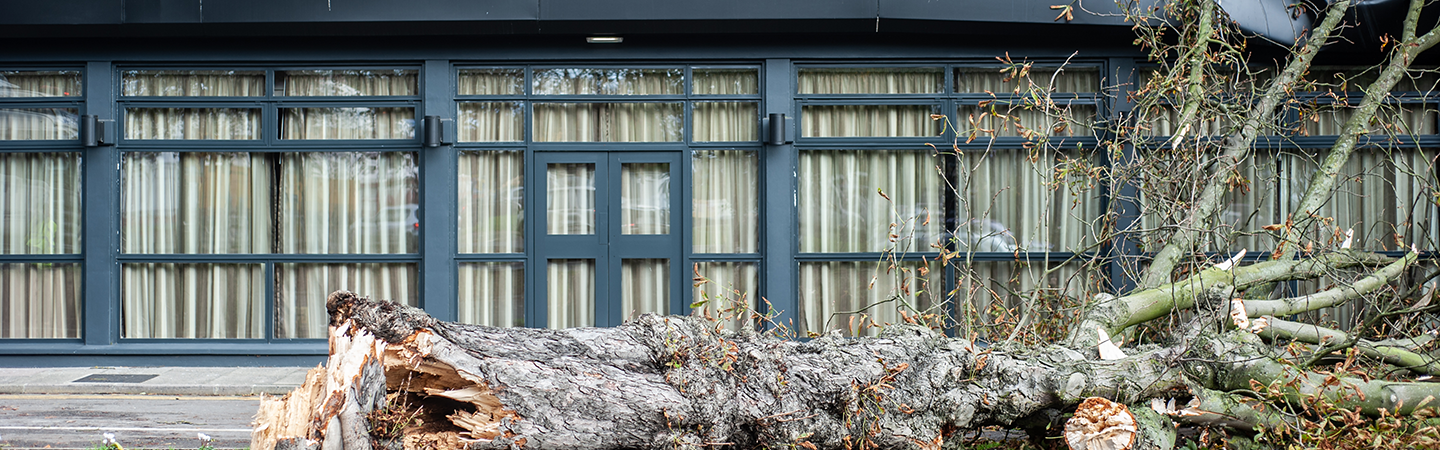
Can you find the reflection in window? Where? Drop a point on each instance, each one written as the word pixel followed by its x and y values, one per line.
pixel 491 122
pixel 40 124
pixel 608 122
pixel 347 123
pixel 1011 201
pixel 40 203
pixel 609 82
pixel 192 123
pixel 327 83
pixel 192 83
pixel 41 301
pixel 32 83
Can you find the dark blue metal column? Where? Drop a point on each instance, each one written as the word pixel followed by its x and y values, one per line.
pixel 101 193
pixel 438 187
pixel 779 269
pixel 1123 254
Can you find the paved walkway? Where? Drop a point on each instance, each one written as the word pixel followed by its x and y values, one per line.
pixel 229 381
pixel 143 407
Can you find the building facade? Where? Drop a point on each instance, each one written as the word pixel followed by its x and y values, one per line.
pixel 186 181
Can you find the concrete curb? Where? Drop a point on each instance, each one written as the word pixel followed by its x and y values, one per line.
pixel 178 381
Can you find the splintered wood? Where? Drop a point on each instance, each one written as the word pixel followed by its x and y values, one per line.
pixel 1100 424
pixel 330 410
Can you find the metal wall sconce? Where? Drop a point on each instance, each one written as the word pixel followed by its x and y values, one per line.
pixel 437 132
pixel 95 132
pixel 777 129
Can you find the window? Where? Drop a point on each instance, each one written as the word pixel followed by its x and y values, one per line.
pixel 40 221
pixel 877 204
pixel 555 160
pixel 249 195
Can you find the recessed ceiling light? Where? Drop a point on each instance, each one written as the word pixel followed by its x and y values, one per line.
pixel 604 39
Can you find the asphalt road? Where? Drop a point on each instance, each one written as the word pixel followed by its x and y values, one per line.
pixel 138 421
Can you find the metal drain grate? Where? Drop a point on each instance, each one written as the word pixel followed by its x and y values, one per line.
pixel 115 378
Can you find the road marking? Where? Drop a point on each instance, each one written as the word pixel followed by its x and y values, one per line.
pixel 120 397
pixel 213 430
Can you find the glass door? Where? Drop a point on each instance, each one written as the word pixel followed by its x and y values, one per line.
pixel 609 240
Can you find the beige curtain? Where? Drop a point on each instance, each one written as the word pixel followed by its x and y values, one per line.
pixel 729 294
pixel 301 290
pixel 192 123
pixel 725 200
pixel 608 122
pixel 491 82
pixel 992 80
pixel 1244 209
pixel 644 287
pixel 570 199
pixel 841 210
pixel 194 203
pixel 1381 193
pixel 983 123
pixel 40 206
pixel 992 297
pixel 492 294
pixel 40 300
pixel 491 202
pixel 852 295
pixel 39 84
pixel 38 124
pixel 871 81
pixel 609 82
pixel 347 123
pixel 193 83
pixel 1391 120
pixel 571 300
pixel 868 121
pixel 1165 121
pixel 645 198
pixel 725 82
pixel 491 122
pixel 324 83
pixel 1009 203
pixel 726 121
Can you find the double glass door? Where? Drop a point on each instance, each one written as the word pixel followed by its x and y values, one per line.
pixel 609 237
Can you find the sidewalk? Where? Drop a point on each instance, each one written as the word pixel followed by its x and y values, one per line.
pixel 189 381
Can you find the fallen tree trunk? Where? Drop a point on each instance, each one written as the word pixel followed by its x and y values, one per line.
pixel 397 378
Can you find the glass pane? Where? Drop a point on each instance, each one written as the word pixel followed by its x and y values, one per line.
pixel 209 301
pixel 609 82
pixel 325 83
pixel 858 297
pixel 883 80
pixel 31 83
pixel 725 81
pixel 492 202
pixel 644 287
pixel 841 211
pixel 196 202
pixel 347 123
pixel 571 299
pixel 726 201
pixel 1390 120
pixel 982 80
pixel 570 199
pixel 1164 120
pixel 39 124
pixel 1011 201
pixel 193 83
pixel 1384 195
pixel 727 292
pixel 492 294
pixel 868 121
pixel 1356 80
pixel 989 299
pixel 39 301
pixel 192 123
pixel 1245 208
pixel 645 198
pixel 608 122
pixel 301 291
pixel 997 121
pixel 726 121
pixel 491 122
pixel 348 202
pixel 492 82
pixel 40 203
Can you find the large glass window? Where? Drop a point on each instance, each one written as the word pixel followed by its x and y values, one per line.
pixel 266 231
pixel 875 197
pixel 40 204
